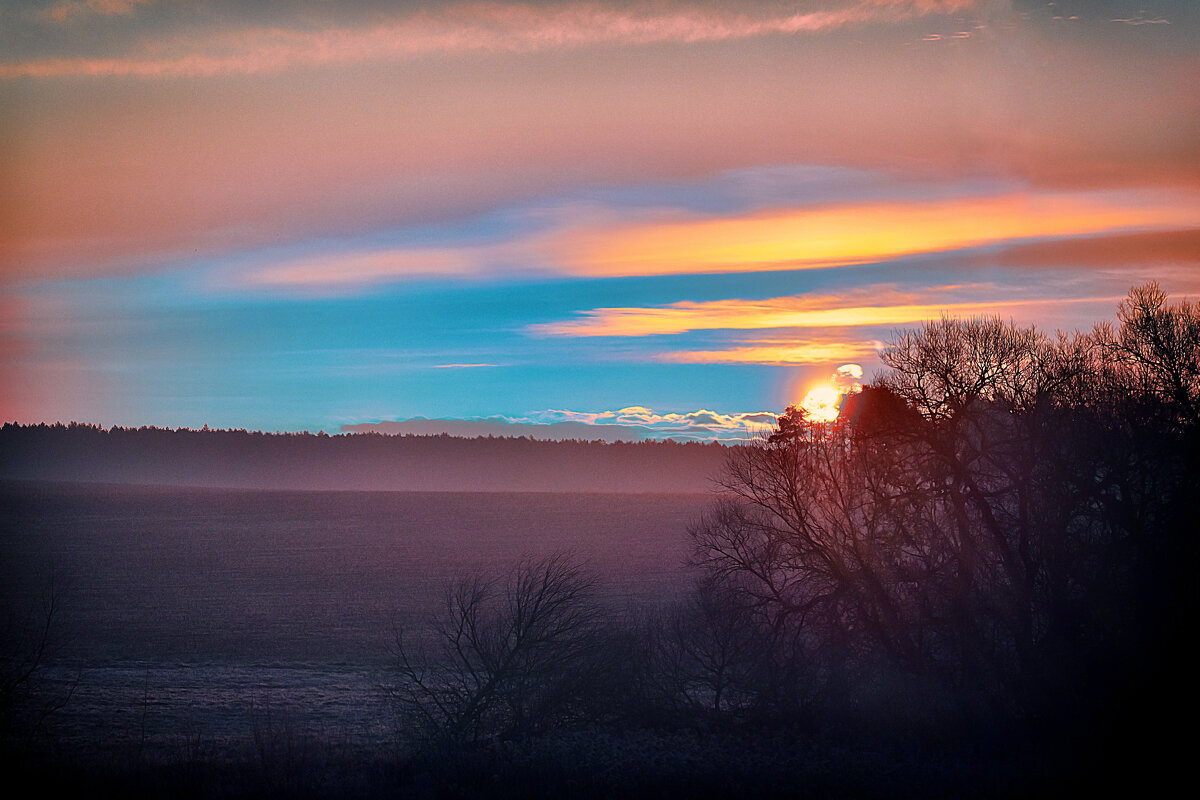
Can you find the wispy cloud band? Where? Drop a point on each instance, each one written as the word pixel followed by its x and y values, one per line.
pixel 666 242
pixel 863 232
pixel 778 353
pixel 805 311
pixel 461 28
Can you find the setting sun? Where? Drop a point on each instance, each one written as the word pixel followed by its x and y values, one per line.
pixel 821 404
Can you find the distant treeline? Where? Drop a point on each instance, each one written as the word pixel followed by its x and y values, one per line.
pixel 245 459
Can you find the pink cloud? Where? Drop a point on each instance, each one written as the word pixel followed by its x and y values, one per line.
pixel 115 176
pixel 459 28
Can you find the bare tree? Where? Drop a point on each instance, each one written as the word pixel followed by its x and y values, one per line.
pixel 508 658
pixel 710 656
pixel 1159 347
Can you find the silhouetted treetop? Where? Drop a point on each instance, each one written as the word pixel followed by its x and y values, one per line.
pixel 1158 349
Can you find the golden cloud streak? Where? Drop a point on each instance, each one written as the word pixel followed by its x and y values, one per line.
pixel 776 354
pixel 779 239
pixel 860 233
pixel 781 312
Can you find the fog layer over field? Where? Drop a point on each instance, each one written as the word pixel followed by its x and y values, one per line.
pixel 209 612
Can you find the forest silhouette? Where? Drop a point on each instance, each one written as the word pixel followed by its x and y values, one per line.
pixel 359 461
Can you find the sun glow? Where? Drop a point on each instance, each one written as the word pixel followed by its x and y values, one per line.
pixel 821 404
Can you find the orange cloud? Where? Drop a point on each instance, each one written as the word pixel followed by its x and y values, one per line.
pixel 861 233
pixel 788 312
pixel 776 353
pixel 772 240
pixel 459 28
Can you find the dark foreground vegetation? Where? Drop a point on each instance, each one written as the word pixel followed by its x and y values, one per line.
pixel 979 582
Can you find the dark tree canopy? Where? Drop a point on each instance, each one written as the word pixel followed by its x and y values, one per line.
pixel 999 515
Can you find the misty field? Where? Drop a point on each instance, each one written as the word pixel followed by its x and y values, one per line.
pixel 200 619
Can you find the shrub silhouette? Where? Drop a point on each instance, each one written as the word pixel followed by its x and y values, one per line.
pixel 508 658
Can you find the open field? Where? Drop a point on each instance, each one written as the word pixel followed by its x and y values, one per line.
pixel 199 615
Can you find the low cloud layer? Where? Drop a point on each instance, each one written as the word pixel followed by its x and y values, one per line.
pixel 630 424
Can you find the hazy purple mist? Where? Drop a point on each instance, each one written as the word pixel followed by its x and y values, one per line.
pixel 218 605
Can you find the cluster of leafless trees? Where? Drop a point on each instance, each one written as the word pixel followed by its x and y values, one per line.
pixel 1000 521
pixel 512 658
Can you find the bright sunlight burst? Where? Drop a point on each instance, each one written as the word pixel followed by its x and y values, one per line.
pixel 823 403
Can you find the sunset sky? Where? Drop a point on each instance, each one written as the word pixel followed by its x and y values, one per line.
pixel 674 214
